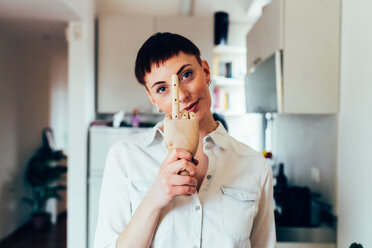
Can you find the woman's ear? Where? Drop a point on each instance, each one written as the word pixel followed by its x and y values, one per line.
pixel 206 70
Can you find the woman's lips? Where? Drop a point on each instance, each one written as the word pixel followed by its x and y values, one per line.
pixel 192 107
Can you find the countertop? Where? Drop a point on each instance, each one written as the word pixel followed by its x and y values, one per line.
pixel 306 237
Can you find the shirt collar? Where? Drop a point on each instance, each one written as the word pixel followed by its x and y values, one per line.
pixel 152 135
pixel 219 136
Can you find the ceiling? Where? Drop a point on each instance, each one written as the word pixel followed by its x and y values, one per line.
pixel 35 22
pixel 34 32
pixel 44 21
pixel 51 10
pixel 238 9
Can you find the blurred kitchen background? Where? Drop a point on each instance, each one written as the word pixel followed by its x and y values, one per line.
pixel 292 79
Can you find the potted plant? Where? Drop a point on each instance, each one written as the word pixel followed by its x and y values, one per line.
pixel 43 170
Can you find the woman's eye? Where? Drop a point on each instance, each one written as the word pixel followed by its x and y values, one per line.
pixel 161 89
pixel 186 75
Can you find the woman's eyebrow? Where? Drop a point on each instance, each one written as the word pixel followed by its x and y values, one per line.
pixel 178 72
pixel 160 82
pixel 182 67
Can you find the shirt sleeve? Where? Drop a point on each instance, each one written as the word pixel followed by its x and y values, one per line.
pixel 114 204
pixel 263 231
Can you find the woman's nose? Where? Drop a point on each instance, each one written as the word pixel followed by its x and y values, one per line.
pixel 183 95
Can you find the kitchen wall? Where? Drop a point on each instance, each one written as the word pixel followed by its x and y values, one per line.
pixel 146 16
pixel 33 82
pixel 355 121
pixel 247 129
pixel 316 133
pixel 58 111
pixel 12 212
pixel 306 143
pixel 58 96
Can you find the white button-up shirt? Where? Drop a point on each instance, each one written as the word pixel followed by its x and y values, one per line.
pixel 233 208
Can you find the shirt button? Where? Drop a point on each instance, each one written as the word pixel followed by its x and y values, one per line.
pixel 208 139
pixel 197 207
pixel 209 177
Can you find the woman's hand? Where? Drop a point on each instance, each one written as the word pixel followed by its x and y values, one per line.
pixel 169 183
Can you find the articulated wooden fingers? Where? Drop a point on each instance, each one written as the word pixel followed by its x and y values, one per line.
pixel 184 114
pixel 175 97
pixel 181 130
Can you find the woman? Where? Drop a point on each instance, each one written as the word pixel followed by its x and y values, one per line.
pixel 143 198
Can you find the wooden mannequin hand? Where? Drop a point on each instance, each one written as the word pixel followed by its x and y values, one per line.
pixel 182 133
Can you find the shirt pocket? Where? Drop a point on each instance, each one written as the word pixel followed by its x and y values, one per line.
pixel 238 208
pixel 138 192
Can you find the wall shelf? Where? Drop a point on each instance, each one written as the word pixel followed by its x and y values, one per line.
pixel 230 50
pixel 229 92
pixel 224 81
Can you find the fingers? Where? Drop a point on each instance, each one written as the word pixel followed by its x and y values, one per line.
pixel 184 114
pixel 177 154
pixel 183 173
pixel 175 97
pixel 179 166
pixel 177 180
pixel 181 190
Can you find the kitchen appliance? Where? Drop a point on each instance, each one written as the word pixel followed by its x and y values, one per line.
pixel 293 206
pixel 263 88
pixel 101 139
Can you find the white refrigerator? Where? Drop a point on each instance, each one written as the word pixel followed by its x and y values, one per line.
pixel 100 141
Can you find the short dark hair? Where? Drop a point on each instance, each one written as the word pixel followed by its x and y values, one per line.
pixel 159 48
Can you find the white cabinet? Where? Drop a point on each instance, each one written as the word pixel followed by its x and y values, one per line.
pixel 308 34
pixel 119 39
pixel 266 36
pixel 197 29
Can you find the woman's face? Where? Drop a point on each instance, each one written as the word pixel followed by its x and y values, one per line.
pixel 193 87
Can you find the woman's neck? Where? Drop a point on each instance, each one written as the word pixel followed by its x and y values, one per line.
pixel 206 126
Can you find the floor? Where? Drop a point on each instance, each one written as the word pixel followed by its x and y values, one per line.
pixel 54 237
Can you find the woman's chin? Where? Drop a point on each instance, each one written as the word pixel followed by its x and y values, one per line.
pixel 201 116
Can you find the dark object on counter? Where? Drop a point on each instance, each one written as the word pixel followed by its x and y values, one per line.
pixel 321 212
pixel 221 24
pixel 316 211
pixel 292 206
pixel 147 124
pixel 104 123
pixel 124 124
pixel 281 179
pixel 355 245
